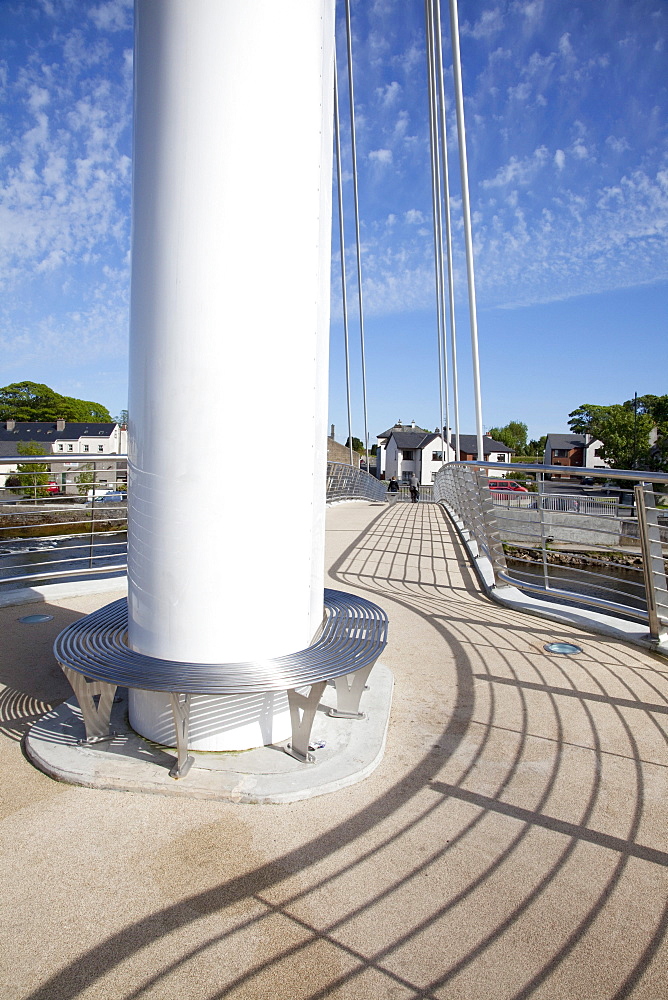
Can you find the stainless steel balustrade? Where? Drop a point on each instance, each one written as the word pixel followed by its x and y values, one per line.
pixel 344 482
pixel 568 546
pixel 47 537
pixel 56 537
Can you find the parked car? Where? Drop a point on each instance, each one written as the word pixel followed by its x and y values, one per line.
pixel 108 496
pixel 507 485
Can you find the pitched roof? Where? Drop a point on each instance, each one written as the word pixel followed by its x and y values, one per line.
pixel 565 441
pixel 47 430
pixel 468 443
pixel 408 428
pixel 413 439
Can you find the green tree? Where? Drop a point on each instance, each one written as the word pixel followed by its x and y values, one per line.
pixel 537 447
pixel 34 476
pixel 85 479
pixel 35 401
pixel 357 445
pixel 513 435
pixel 623 433
pixel 655 407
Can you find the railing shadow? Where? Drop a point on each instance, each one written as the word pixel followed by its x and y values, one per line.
pixel 491 859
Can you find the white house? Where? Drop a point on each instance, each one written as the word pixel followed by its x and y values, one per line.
pixel 60 437
pixel 413 452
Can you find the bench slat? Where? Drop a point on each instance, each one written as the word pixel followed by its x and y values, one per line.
pixel 353 635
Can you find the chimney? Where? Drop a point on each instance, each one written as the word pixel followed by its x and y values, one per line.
pixel 11 424
pixel 331 433
pixel 60 424
pixel 413 424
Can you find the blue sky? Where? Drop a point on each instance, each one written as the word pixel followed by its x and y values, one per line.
pixel 568 160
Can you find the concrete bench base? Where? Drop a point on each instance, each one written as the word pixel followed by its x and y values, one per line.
pixel 96 660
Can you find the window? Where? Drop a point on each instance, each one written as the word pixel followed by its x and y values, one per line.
pixel 407 456
pixel 100 447
pixel 70 447
pixel 86 448
pixel 437 456
pixel 560 452
pixel 60 447
pixel 500 458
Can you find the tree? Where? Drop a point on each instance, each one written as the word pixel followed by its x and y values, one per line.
pixel 513 435
pixel 85 479
pixel 623 432
pixel 357 445
pixel 34 476
pixel 28 401
pixel 537 447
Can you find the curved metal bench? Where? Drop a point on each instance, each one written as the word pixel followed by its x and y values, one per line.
pixel 96 659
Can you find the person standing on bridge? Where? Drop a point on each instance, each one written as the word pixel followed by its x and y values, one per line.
pixel 415 488
pixel 393 489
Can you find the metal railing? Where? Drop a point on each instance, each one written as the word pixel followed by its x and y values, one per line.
pixel 62 517
pixel 606 551
pixel 344 482
pixel 67 519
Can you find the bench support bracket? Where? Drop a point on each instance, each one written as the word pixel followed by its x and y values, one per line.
pixel 301 724
pixel 349 689
pixel 96 717
pixel 181 712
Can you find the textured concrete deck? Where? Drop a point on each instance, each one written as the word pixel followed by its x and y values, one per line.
pixel 512 843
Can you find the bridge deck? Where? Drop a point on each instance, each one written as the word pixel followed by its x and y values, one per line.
pixel 512 844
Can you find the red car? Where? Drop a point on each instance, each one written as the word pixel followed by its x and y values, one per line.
pixel 507 485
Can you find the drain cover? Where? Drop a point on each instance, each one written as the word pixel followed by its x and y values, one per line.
pixel 34 619
pixel 565 648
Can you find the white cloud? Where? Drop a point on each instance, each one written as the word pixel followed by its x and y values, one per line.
pixel 518 171
pixel 413 216
pixel 490 23
pixel 565 47
pixel 382 156
pixel 389 94
pixel 579 150
pixel 116 15
pixel 560 159
pixel 617 145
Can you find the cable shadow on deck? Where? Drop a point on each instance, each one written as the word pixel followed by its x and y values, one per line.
pixel 481 836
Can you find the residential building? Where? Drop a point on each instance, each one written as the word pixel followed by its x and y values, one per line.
pixel 60 437
pixel 413 452
pixel 573 451
pixel 382 440
pixel 494 451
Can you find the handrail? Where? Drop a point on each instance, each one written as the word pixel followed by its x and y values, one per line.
pixel 66 536
pixel 567 546
pixel 345 482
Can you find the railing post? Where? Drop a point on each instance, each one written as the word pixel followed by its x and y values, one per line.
pixel 543 535
pixel 653 566
pixel 490 525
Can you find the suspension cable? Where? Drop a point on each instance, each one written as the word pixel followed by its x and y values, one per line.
pixel 353 148
pixel 448 225
pixel 435 199
pixel 344 295
pixel 466 211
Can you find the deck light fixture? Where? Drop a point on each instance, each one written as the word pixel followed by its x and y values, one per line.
pixel 563 648
pixel 35 619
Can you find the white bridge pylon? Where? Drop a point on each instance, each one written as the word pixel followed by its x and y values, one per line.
pixel 228 341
